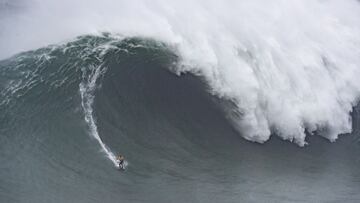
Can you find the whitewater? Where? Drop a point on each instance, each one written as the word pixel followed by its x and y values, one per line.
pixel 288 67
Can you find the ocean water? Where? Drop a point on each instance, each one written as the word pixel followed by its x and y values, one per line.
pixel 238 101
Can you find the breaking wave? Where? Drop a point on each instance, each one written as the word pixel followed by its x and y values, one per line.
pixel 60 104
pixel 287 68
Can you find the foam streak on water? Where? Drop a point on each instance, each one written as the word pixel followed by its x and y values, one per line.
pixel 87 92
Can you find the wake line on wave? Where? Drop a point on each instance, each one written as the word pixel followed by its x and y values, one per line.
pixel 87 92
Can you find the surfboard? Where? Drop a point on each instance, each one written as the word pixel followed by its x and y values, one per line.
pixel 122 166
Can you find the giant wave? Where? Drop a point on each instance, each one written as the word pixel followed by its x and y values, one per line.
pixel 172 85
pixel 125 93
pixel 288 68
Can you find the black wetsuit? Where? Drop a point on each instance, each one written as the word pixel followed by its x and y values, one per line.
pixel 121 163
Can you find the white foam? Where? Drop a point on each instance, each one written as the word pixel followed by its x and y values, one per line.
pixel 287 65
pixel 87 92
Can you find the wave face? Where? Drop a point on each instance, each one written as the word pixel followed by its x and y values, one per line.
pixel 287 67
pixel 67 109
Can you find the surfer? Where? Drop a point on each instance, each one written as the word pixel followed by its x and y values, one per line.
pixel 120 159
